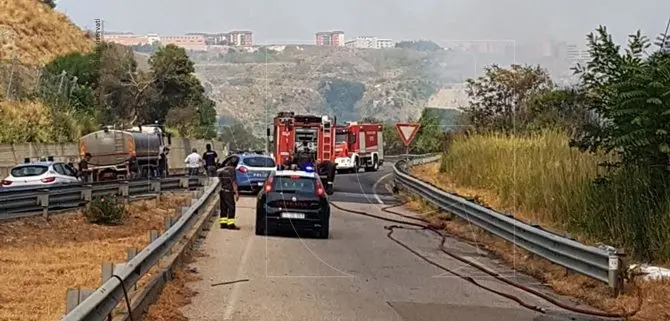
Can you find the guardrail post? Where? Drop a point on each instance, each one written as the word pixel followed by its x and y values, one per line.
pixel 87 193
pixel 167 221
pixel 153 235
pixel 124 191
pixel 183 182
pixel 182 211
pixel 156 188
pixel 107 271
pixel 75 296
pixel 43 201
pixel 616 271
pixel 132 252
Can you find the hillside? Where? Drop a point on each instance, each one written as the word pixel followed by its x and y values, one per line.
pixel 387 84
pixel 35 34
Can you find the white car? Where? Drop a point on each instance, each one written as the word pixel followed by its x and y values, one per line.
pixel 40 174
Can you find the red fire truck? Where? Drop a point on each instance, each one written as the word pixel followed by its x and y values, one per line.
pixel 298 135
pixel 359 146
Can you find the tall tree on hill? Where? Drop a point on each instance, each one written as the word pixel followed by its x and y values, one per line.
pixel 629 91
pixel 497 100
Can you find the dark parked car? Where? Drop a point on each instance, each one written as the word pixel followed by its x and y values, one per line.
pixel 293 200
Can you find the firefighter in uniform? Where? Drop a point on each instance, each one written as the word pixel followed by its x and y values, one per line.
pixel 228 195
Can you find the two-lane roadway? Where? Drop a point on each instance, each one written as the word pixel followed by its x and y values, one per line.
pixel 357 274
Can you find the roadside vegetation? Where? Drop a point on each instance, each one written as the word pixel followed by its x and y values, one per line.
pixel 56 88
pixel 591 159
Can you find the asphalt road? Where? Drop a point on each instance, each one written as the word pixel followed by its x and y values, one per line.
pixel 357 274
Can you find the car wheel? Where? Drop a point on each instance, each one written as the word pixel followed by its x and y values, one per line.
pixel 260 230
pixel 324 231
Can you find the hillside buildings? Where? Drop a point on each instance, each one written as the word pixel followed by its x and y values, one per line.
pixel 370 43
pixel 190 41
pixel 330 38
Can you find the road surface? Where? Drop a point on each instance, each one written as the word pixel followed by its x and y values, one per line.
pixel 357 274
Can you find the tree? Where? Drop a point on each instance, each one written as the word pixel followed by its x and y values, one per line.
pixel 238 137
pixel 420 45
pixel 629 92
pixel 174 80
pixel 341 97
pixel 50 3
pixel 429 137
pixel 497 99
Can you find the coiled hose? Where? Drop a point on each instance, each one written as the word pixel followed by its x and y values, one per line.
pixel 426 225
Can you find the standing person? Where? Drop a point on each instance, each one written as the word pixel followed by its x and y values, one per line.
pixel 210 158
pixel 83 167
pixel 228 195
pixel 193 162
pixel 133 168
pixel 162 163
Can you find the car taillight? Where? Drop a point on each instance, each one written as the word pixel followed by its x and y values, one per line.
pixel 268 185
pixel 319 189
pixel 48 179
pixel 6 182
pixel 243 169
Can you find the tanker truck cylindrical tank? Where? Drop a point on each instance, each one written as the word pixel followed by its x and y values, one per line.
pixel 112 147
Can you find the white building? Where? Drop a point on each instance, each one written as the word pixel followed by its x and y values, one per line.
pixel 369 43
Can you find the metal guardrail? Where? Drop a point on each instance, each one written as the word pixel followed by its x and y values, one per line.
pixel 38 199
pixel 600 263
pixel 101 304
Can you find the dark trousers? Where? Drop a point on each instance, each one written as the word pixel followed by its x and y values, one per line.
pixel 211 171
pixel 193 171
pixel 227 204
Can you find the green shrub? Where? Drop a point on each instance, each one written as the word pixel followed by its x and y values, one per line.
pixel 105 211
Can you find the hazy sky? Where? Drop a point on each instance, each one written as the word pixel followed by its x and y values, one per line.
pixel 440 20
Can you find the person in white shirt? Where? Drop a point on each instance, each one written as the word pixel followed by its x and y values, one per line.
pixel 193 162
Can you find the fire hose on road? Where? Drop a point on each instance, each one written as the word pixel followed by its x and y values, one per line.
pixel 424 224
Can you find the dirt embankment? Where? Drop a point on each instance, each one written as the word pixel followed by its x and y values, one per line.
pixel 40 260
pixel 655 294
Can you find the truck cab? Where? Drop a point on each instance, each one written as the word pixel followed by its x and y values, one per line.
pixel 359 145
pixel 300 137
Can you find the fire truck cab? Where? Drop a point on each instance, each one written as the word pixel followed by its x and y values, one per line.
pixel 359 146
pixel 311 137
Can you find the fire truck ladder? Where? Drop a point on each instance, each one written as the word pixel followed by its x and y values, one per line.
pixel 327 142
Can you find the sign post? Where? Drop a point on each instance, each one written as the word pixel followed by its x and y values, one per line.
pixel 407 132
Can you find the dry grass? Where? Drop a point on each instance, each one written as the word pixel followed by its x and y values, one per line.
pixel 35 34
pixel 39 260
pixel 175 295
pixel 22 120
pixel 656 306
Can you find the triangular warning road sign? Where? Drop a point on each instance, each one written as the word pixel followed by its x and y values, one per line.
pixel 407 132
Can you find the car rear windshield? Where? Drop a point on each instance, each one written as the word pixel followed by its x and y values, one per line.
pixel 259 162
pixel 294 184
pixel 29 170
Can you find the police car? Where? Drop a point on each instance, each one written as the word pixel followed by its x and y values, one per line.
pixel 293 200
pixel 252 170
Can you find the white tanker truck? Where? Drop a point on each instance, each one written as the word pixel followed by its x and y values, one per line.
pixel 111 149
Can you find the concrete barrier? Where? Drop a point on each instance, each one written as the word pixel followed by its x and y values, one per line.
pixel 10 154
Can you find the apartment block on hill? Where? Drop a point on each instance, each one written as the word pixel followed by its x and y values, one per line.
pixel 190 41
pixel 370 42
pixel 330 38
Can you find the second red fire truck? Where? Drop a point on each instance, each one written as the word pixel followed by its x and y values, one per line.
pixel 359 145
